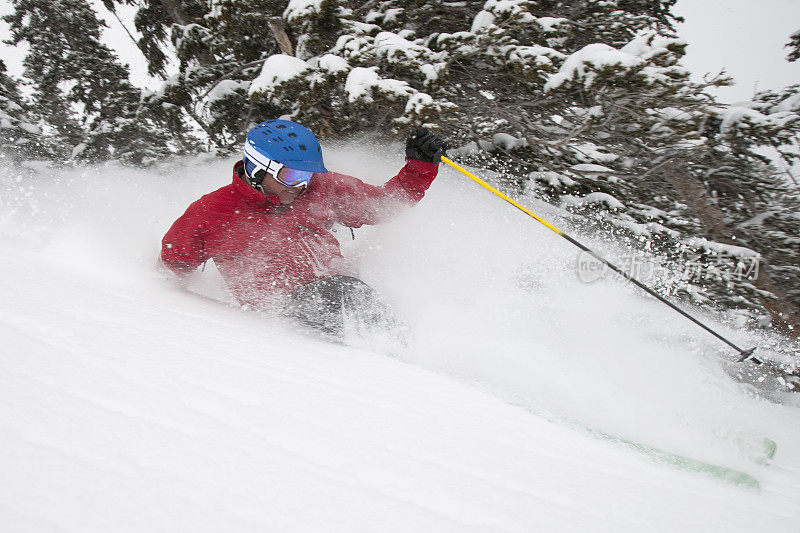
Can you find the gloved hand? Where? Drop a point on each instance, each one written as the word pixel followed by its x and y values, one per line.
pixel 423 145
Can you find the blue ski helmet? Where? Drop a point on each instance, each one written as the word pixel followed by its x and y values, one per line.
pixel 284 142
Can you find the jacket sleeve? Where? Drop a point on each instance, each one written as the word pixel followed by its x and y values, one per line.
pixel 183 247
pixel 357 203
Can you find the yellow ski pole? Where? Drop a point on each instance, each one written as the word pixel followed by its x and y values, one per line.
pixel 744 355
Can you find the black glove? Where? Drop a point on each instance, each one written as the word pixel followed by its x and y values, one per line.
pixel 423 145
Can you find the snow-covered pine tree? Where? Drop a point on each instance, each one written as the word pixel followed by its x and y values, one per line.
pixel 220 46
pixel 794 46
pixel 342 88
pixel 20 134
pixel 80 87
pixel 665 148
pixel 759 202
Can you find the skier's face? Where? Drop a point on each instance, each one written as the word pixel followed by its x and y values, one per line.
pixel 272 187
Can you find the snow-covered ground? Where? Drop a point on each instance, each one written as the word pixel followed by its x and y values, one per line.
pixel 129 405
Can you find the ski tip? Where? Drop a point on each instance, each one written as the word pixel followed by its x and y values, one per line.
pixel 768 452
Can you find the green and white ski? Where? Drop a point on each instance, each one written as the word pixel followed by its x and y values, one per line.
pixel 722 473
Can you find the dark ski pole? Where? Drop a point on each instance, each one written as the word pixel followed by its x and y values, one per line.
pixel 744 355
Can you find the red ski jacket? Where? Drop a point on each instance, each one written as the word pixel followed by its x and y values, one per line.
pixel 263 249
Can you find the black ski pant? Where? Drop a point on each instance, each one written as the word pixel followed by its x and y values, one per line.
pixel 327 303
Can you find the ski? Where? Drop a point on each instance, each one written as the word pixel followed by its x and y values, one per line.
pixel 759 450
pixel 721 473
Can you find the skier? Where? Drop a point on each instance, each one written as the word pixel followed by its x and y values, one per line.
pixel 269 231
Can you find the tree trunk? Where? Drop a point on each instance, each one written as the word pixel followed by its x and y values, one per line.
pixel 282 36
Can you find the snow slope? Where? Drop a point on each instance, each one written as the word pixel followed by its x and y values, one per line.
pixel 129 405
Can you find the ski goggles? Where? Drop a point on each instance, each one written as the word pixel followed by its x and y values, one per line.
pixel 293 178
pixel 284 175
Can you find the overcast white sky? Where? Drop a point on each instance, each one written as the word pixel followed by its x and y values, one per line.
pixel 745 37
